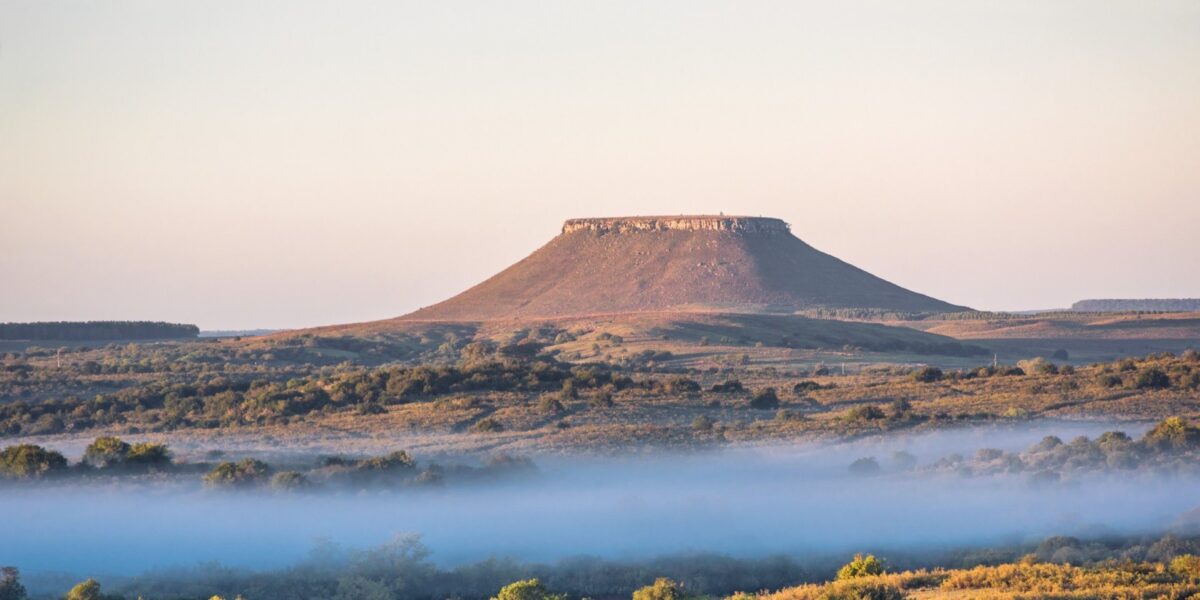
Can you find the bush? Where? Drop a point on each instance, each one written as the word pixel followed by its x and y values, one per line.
pixel 86 590
pixel 106 452
pixel 861 566
pixel 148 456
pixel 487 425
pixel 806 386
pixel 764 399
pixel 1187 566
pixel 529 589
pixel 927 374
pixel 1173 433
pixel 1152 379
pixel 865 467
pixel 702 423
pixel 865 413
pixel 290 480
pixel 247 473
pixel 662 589
pixel 1110 380
pixel 28 461
pixel 860 589
pixel 729 387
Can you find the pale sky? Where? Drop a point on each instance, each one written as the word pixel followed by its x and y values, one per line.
pixel 283 164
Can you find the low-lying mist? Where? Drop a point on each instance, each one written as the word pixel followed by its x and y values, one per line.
pixel 745 502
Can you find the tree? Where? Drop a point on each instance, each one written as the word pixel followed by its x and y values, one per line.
pixel 28 461
pixel 86 590
pixel 865 466
pixel 662 589
pixel 529 589
pixel 861 566
pixel 248 472
pixel 105 452
pixel 1173 433
pixel 10 584
pixel 148 456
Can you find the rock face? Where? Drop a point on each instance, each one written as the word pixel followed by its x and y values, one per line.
pixel 675 263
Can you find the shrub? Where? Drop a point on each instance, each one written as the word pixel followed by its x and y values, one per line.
pixel 927 374
pixel 529 589
pixel 1110 380
pixel 1038 366
pixel 662 589
pixel 148 456
pixel 861 589
pixel 1152 379
pixel 1187 566
pixel 865 413
pixel 1173 433
pixel 729 387
pixel 764 399
pixel 28 461
pixel 86 590
pixel 106 452
pixel 806 386
pixel 550 404
pixel 861 566
pixel 487 425
pixel 702 423
pixel 865 466
pixel 290 480
pixel 247 473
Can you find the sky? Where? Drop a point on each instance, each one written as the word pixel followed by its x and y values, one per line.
pixel 284 164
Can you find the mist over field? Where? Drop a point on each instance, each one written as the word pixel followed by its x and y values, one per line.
pixel 746 502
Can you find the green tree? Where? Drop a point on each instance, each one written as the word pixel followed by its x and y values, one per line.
pixel 247 473
pixel 662 589
pixel 148 456
pixel 1173 433
pixel 529 589
pixel 861 566
pixel 105 452
pixel 86 590
pixel 28 461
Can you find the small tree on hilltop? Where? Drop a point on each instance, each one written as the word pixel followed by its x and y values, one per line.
pixel 529 589
pixel 86 590
pixel 662 589
pixel 861 566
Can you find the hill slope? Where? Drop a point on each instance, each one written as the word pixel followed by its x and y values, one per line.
pixel 637 264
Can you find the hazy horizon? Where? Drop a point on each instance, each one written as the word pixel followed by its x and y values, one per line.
pixel 284 165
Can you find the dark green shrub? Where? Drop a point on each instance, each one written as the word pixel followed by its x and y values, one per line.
pixel 1152 379
pixel 764 399
pixel 928 374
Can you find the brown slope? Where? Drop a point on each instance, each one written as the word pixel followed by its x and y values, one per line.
pixel 735 264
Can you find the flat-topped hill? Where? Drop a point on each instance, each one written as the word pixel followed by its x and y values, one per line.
pixel 689 263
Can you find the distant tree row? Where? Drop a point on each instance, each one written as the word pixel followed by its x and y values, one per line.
pixel 97 330
pixel 1138 305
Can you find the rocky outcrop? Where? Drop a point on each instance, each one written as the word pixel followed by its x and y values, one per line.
pixel 677 223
